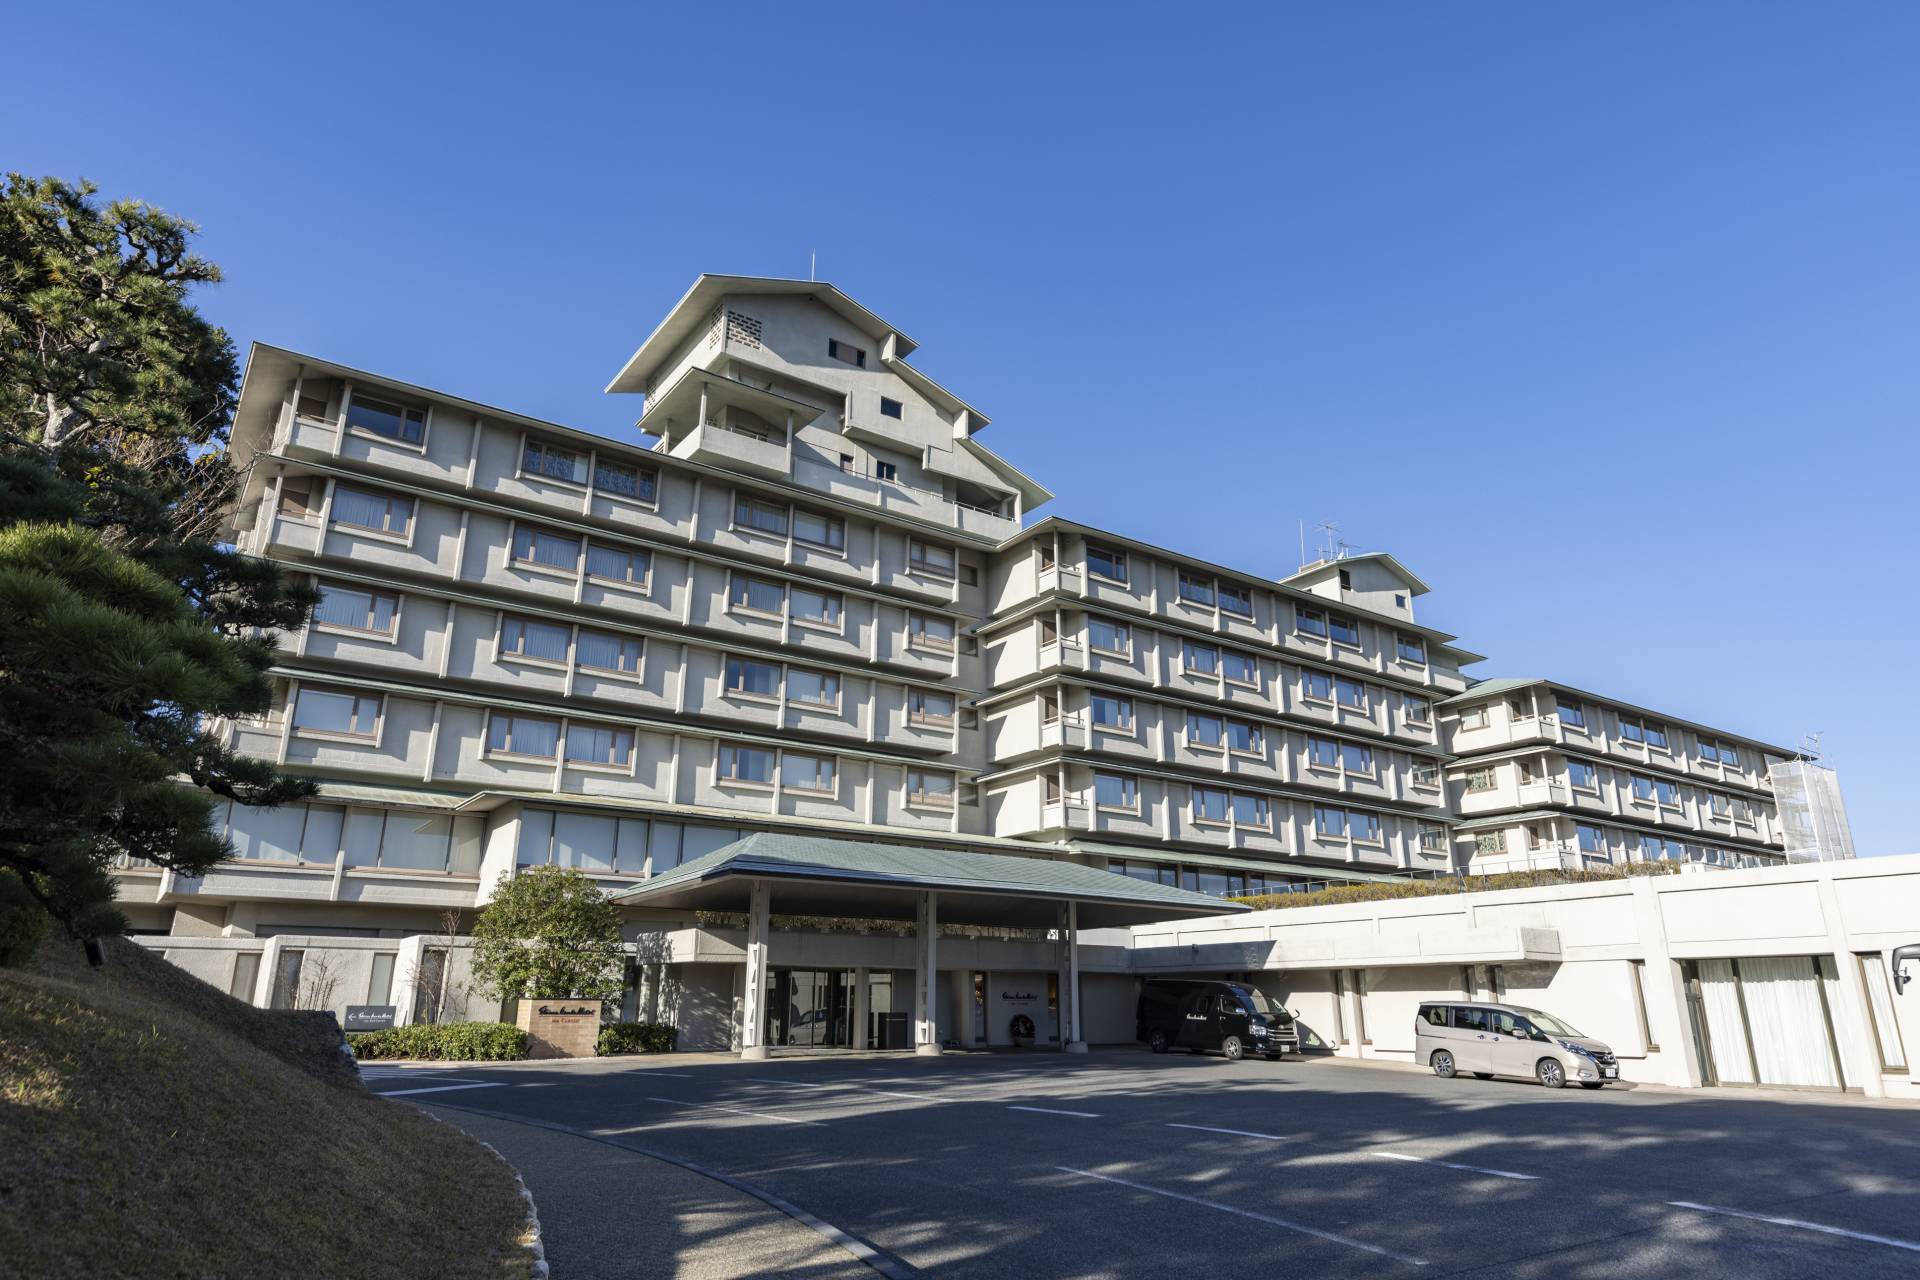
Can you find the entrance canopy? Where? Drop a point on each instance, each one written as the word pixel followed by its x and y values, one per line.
pixel 815 875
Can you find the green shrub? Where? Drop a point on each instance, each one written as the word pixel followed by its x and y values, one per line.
pixel 1389 889
pixel 23 922
pixel 452 1041
pixel 635 1037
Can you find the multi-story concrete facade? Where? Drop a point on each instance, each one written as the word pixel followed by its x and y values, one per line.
pixel 1548 776
pixel 808 600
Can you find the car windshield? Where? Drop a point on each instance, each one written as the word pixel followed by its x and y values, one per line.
pixel 1550 1024
pixel 1258 999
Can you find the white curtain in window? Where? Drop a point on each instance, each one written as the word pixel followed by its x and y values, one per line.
pixel 1725 1027
pixel 1845 1024
pixel 469 837
pixel 1791 1044
pixel 416 842
pixel 584 841
pixel 1886 1023
pixel 271 835
pixel 321 841
pixel 536 834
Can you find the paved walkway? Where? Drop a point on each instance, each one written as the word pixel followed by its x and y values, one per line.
pixel 606 1212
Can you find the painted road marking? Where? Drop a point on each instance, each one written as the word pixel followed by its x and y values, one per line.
pixel 1304 1230
pixel 888 1093
pixel 1238 1133
pixel 1822 1228
pixel 440 1088
pixel 714 1106
pixel 1056 1111
pixel 790 1084
pixel 1448 1164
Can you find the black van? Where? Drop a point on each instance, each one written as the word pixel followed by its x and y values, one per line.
pixel 1199 1015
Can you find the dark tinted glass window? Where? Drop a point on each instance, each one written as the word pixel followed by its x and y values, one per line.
pixel 1435 1015
pixel 1469 1019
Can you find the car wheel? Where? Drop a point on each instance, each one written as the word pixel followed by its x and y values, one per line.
pixel 1592 1084
pixel 1550 1073
pixel 1483 1075
pixel 1442 1064
pixel 1230 1049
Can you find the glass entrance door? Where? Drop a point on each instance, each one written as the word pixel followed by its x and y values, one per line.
pixel 809 1008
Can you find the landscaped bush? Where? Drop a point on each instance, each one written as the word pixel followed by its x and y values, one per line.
pixel 452 1041
pixel 1389 889
pixel 635 1037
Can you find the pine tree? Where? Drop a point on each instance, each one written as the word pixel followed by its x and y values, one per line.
pixel 125 626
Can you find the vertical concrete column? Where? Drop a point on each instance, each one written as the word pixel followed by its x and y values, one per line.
pixel 857 1033
pixel 1071 1032
pixel 1665 991
pixel 753 1003
pixel 926 974
pixel 1853 1022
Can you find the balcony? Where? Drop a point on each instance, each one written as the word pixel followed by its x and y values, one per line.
pixel 1067 732
pixel 1545 792
pixel 734 450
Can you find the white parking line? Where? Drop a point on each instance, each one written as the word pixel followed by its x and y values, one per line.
pixel 1304 1230
pixel 791 1084
pixel 1448 1164
pixel 1238 1133
pixel 1056 1111
pixel 915 1097
pixel 1802 1225
pixel 714 1106
pixel 440 1088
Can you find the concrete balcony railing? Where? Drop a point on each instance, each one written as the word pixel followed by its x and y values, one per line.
pixel 735 450
pixel 1065 732
pixel 1547 792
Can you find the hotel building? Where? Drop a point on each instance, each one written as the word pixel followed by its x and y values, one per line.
pixel 808 603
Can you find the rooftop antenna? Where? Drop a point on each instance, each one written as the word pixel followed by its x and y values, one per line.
pixel 1303 544
pixel 813 260
pixel 1330 544
pixel 1810 747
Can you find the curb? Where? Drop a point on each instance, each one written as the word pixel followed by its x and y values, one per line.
pixel 530 1238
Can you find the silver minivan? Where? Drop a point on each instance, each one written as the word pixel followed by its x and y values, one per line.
pixel 1508 1040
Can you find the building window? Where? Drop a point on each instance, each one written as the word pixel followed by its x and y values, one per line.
pixel 761 517
pixel 1350 693
pixel 1116 791
pixel 1425 773
pixel 1239 668
pixel 526 639
pixel 890 472
pixel 617 564
pixel 1111 712
pixel 813 688
pixel 1572 714
pixel 1649 732
pixel 354 610
pixel 1474 717
pixel 1583 775
pixel 364 509
pixel 821 608
pixel 384 418
pixel 1720 751
pixel 1480 780
pixel 346 715
pixel 820 531
pixel 1417 710
pixel 1197 590
pixel 1343 629
pixel 1364 827
pixel 1252 811
pixel 604 651
pixel 1236 600
pixel 599 744
pixel 807 773
pixel 1329 821
pixel 639 483
pixel 924 706
pixel 755 595
pixel 889 408
pixel 1356 759
pixel 1311 622
pixel 1105 562
pixel 846 354
pixel 539 458
pixel 1590 838
pixel 1412 649
pixel 1432 839
pixel 750 765
pixel 545 548
pixel 1324 753
pixel 1247 739
pixel 1206 731
pixel 749 679
pixel 930 558
pixel 930 788
pixel 1642 788
pixel 1317 686
pixel 928 631
pixel 1490 842
pixel 1209 805
pixel 521 735
pixel 296 497
pixel 1109 637
pixel 1667 793
pixel 1200 659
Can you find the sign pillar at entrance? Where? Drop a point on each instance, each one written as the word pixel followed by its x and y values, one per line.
pixel 1073 1038
pixel 753 1009
pixel 926 975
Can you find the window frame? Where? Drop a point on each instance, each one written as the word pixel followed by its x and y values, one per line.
pixel 503 654
pixel 642 585
pixel 733 751
pixel 1130 785
pixel 727 690
pixel 529 443
pixel 490 751
pixel 835 346
pixel 404 537
pixel 918 715
pixel 918 563
pixel 832 763
pixel 1119 561
pixel 1125 631
pixel 639 644
pixel 615 731
pixel 917 637
pixel 745 504
pixel 390 635
pixel 838 599
pixel 533 531
pixel 741 606
pixel 339 735
pixel 355 400
pixel 945 802
pixel 646 482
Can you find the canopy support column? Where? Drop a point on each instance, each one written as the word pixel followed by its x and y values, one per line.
pixel 857 1032
pixel 753 1008
pixel 1072 1034
pixel 926 974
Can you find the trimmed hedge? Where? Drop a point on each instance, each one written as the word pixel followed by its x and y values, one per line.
pixel 451 1041
pixel 1390 889
pixel 634 1037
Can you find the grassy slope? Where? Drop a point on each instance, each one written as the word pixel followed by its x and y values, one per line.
pixel 151 1125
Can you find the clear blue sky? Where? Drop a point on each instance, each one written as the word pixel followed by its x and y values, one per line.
pixel 1603 318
